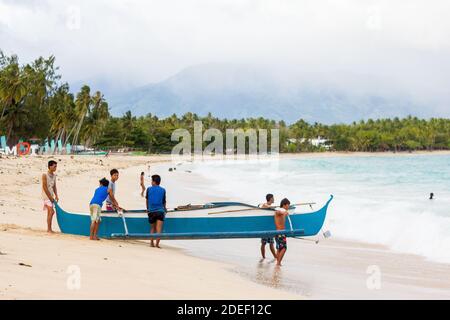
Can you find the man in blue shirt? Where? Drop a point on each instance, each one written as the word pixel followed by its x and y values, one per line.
pixel 156 207
pixel 95 207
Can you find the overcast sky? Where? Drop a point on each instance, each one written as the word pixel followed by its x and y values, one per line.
pixel 401 44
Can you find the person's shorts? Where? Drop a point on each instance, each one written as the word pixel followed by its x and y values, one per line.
pixel 281 242
pixel 96 212
pixel 155 216
pixel 265 241
pixel 47 204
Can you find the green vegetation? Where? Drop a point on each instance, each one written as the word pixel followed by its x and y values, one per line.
pixel 35 103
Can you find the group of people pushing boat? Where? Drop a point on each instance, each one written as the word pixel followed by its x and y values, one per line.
pixel 105 193
pixel 155 204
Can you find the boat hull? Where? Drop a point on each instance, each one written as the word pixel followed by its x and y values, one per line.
pixel 227 221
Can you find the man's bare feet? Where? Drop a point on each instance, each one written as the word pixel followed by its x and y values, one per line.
pixel 152 244
pixel 97 238
pixel 158 246
pixel 50 231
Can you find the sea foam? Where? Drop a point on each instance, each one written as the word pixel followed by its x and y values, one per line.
pixel 381 200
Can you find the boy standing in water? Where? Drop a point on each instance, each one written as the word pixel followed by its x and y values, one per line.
pixel 156 207
pixel 280 224
pixel 49 192
pixel 95 207
pixel 111 202
pixel 269 202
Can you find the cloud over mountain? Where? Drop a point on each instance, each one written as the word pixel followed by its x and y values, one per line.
pixel 238 91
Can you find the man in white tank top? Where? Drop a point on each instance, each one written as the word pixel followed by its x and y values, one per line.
pixel 49 192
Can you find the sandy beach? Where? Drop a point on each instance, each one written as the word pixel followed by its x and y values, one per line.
pixel 36 265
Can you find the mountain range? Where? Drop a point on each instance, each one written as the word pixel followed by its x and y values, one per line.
pixel 236 91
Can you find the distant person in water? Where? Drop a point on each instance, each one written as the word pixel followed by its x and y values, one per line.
pixel 280 224
pixel 156 207
pixel 268 204
pixel 95 207
pixel 431 196
pixel 49 192
pixel 142 181
pixel 111 201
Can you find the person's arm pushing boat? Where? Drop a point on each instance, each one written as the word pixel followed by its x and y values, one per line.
pixel 164 202
pixel 113 199
pixel 142 182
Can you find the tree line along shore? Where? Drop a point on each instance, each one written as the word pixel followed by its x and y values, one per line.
pixel 36 104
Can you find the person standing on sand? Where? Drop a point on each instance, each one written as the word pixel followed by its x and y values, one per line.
pixel 49 192
pixel 269 202
pixel 111 202
pixel 142 181
pixel 95 207
pixel 280 224
pixel 156 207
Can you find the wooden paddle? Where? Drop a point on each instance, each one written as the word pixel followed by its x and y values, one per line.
pixel 189 207
pixel 251 209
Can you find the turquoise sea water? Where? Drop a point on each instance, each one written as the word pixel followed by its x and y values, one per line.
pixel 378 199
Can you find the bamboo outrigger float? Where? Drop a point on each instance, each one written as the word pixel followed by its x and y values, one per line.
pixel 216 220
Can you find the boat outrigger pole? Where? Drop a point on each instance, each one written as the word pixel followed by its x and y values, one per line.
pixel 120 212
pixel 209 235
pixel 258 208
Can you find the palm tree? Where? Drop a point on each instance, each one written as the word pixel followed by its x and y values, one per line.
pixel 62 112
pixel 96 119
pixel 82 108
pixel 13 90
pixel 25 92
pixel 128 124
